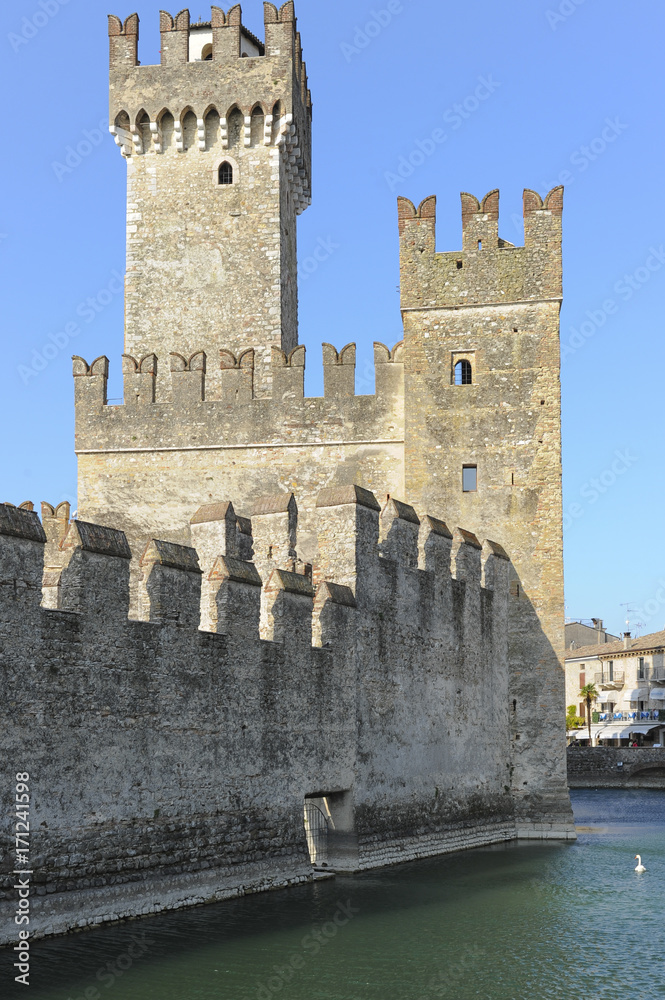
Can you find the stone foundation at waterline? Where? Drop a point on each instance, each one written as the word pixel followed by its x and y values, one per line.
pixel 616 767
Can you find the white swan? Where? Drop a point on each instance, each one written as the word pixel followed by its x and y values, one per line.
pixel 640 866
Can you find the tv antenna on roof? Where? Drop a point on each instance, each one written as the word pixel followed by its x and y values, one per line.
pixel 630 611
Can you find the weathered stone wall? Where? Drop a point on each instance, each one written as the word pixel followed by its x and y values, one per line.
pixel 146 467
pixel 615 767
pixel 488 270
pixel 169 765
pixel 453 771
pixel 497 307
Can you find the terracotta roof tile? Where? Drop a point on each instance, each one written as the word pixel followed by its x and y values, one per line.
pixel 645 644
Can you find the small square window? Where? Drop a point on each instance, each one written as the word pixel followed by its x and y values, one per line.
pixel 470 478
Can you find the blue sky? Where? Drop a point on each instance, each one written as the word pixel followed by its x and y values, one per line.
pixel 577 91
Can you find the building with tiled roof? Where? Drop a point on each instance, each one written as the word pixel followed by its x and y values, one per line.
pixel 629 675
pixel 581 632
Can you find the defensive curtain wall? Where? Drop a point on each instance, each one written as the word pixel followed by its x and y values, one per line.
pixel 169 764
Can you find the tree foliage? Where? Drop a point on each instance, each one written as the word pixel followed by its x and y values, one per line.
pixel 590 694
pixel 573 720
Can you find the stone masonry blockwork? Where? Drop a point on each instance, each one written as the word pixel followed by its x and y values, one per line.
pixel 169 765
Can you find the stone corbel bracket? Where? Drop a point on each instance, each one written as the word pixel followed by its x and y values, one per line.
pixel 157 137
pixel 123 139
pixel 289 145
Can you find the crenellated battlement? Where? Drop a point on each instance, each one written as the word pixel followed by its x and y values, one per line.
pixel 488 270
pixel 381 562
pixel 222 39
pixel 371 558
pixel 215 398
pixel 211 74
pixel 215 380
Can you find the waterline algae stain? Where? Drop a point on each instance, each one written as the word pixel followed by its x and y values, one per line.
pixel 526 922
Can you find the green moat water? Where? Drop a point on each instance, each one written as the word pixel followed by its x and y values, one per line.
pixel 526 922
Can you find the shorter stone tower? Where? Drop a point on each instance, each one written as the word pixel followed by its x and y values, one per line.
pixel 218 147
pixel 483 440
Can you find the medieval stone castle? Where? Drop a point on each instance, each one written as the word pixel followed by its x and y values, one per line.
pixel 265 599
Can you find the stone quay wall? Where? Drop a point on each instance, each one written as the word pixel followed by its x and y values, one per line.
pixel 616 767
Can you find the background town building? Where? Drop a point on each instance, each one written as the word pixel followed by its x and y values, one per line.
pixel 586 632
pixel 629 675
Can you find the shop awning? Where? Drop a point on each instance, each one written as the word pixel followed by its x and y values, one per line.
pixel 637 694
pixel 658 694
pixel 616 730
pixel 602 731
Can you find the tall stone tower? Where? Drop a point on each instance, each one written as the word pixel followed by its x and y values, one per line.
pixel 218 147
pixel 483 441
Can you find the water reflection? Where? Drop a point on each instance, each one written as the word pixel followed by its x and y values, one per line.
pixel 527 922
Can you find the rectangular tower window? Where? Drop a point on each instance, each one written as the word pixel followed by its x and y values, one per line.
pixel 470 478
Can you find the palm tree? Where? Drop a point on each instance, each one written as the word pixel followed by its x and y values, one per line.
pixel 590 694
